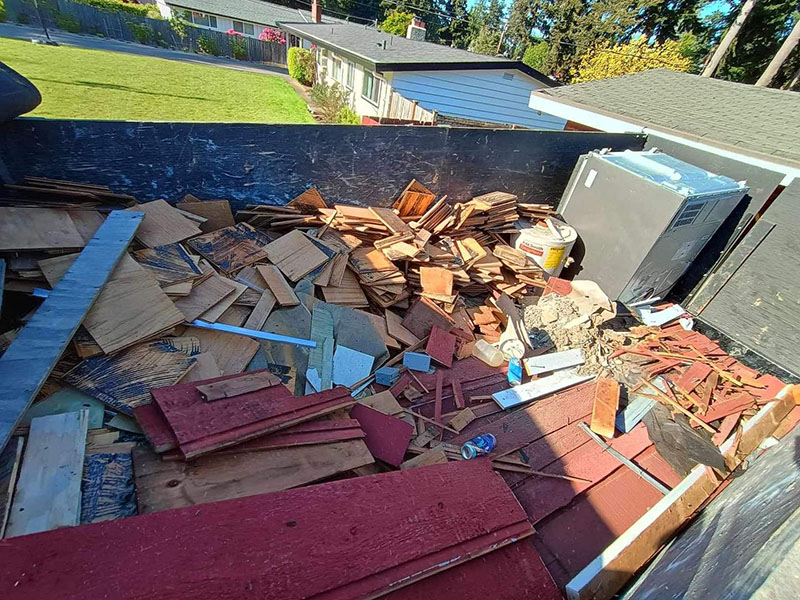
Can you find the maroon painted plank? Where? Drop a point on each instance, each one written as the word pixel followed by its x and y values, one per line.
pixel 528 424
pixel 342 540
pixel 203 427
pixel 155 427
pixel 458 394
pixel 515 572
pixel 719 410
pixel 437 402
pixel 400 385
pixel 441 346
pixel 387 437
pixel 540 496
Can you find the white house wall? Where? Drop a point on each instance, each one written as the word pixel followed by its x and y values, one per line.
pixel 361 106
pixel 223 23
pixel 483 95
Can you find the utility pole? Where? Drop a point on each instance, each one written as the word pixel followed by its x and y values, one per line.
pixel 502 35
pixel 789 44
pixel 728 40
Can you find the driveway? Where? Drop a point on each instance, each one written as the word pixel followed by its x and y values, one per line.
pixel 25 32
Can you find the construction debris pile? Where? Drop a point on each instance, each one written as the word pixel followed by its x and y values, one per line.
pixel 214 358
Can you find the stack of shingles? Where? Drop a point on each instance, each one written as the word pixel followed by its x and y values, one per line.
pixel 693 375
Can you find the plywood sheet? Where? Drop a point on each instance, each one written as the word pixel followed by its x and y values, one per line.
pixel 216 212
pixel 434 518
pixel 162 485
pixel 37 229
pixel 48 493
pixel 163 224
pixel 387 437
pixel 295 255
pixel 205 296
pixel 216 311
pixel 263 307
pixel 232 248
pixel 284 294
pixel 168 264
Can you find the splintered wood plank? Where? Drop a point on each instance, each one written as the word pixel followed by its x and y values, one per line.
pixel 48 493
pixel 284 294
pixel 163 224
pixel 434 518
pixel 124 380
pixel 162 485
pixel 295 255
pixel 168 264
pixel 434 456
pixel 37 229
pixel 394 223
pixel 604 410
pixel 131 306
pixel 204 296
pixel 107 488
pixel 216 311
pixel 216 212
pixel 31 356
pixel 261 311
pixel 237 386
pixel 394 324
pixel 205 367
pixel 319 373
pixel 9 467
pixel 233 247
pixel 202 427
pixel 387 437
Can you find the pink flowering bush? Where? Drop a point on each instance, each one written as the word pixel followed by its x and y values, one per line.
pixel 272 35
pixel 234 32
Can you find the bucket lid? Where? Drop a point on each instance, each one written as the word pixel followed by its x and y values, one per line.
pixel 556 232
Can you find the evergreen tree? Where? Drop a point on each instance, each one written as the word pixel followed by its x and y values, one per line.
pixel 519 26
pixel 429 11
pixel 457 32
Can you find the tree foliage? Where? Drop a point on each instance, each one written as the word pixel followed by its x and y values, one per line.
pixel 606 60
pixel 536 56
pixel 397 22
pixel 456 32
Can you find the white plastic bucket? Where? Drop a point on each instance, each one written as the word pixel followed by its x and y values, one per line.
pixel 543 245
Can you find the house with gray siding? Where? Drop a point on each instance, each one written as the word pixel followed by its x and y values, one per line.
pixel 393 78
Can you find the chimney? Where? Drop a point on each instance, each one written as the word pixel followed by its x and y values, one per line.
pixel 316 11
pixel 416 29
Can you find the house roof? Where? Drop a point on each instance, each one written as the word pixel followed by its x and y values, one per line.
pixel 734 115
pixel 254 11
pixel 387 52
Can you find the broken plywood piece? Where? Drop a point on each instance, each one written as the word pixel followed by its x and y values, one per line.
pixel 216 212
pixel 107 491
pixel 295 255
pixel 162 485
pixel 387 437
pixel 441 346
pixel 163 224
pixel 37 229
pixel 237 386
pixel 462 419
pixel 232 248
pixel 434 456
pixel 10 459
pixel 48 494
pixel 604 410
pixel 350 366
pixel 261 311
pixel 436 281
pixel 394 325
pixel 216 311
pixel 205 296
pixel 348 293
pixel 124 380
pixel 320 359
pixel 169 264
pixel 284 294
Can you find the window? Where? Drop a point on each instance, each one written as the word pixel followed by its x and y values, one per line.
pixel 204 19
pixel 371 90
pixel 351 75
pixel 246 28
pixel 336 72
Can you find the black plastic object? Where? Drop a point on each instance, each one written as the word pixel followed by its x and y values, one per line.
pixel 17 95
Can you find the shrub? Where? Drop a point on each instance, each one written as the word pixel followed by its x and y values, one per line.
pixel 301 65
pixel 142 32
pixel 123 7
pixel 397 22
pixel 178 26
pixel 238 45
pixel 330 100
pixel 68 23
pixel 23 18
pixel 536 56
pixel 272 35
pixel 3 12
pixel 347 116
pixel 208 45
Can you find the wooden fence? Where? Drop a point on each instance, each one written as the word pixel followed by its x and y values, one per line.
pixel 81 18
pixel 400 108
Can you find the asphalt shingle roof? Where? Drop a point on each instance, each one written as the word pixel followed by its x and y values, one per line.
pixel 760 119
pixel 254 11
pixel 389 50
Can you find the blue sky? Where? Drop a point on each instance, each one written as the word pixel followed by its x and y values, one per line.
pixel 721 5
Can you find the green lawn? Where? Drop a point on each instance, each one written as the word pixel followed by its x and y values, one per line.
pixel 91 84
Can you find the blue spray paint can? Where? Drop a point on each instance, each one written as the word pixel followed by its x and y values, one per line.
pixel 478 446
pixel 514 371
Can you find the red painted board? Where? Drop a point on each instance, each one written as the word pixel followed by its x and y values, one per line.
pixel 387 437
pixel 400 385
pixel 515 572
pixel 725 428
pixel 575 535
pixel 772 384
pixel 458 394
pixel 528 424
pixel 540 496
pixel 202 427
pixel 155 427
pixel 336 541
pixel 441 346
pixel 693 376
pixel 467 369
pixel 719 410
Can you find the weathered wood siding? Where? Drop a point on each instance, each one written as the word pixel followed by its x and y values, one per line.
pixel 271 164
pixel 486 95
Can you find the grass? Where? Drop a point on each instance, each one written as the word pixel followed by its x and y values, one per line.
pixel 90 84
